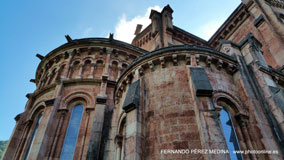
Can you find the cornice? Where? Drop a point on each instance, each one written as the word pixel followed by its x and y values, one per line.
pixel 174 54
pixel 66 83
pixel 275 74
pixel 90 42
pixel 230 25
pixel 276 3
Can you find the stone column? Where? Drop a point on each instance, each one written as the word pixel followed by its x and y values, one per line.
pixel 88 110
pixel 40 81
pixel 69 66
pixel 118 142
pixel 57 73
pixel 93 66
pixel 70 70
pixel 63 113
pixel 132 136
pixel 80 71
pixel 107 64
pixel 243 123
pixel 119 71
pixel 11 147
pixel 48 79
pixel 23 139
pixel 97 124
pixel 97 128
pixel 132 146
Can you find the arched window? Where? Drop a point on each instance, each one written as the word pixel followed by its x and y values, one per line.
pixel 120 141
pixel 72 133
pixel 75 69
pixel 87 71
pixel 31 141
pixel 230 135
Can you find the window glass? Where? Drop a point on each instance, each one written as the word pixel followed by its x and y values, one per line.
pixel 33 136
pixel 230 135
pixel 72 133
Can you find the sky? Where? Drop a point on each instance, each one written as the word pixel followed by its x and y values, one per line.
pixel 31 26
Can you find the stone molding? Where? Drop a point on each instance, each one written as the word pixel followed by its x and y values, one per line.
pixel 217 94
pixel 91 46
pixel 276 3
pixel 173 55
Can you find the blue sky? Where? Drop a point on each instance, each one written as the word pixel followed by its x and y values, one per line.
pixel 31 26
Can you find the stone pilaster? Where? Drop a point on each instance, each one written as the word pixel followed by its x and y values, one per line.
pixel 97 128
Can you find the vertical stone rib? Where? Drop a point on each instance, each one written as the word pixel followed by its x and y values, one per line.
pixel 248 140
pixel 63 112
pixel 80 70
pixel 93 65
pixel 23 140
pixel 57 135
pixel 95 138
pixel 85 133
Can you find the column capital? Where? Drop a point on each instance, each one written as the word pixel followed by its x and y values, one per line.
pixel 63 112
pixel 118 140
pixel 49 102
pixel 242 119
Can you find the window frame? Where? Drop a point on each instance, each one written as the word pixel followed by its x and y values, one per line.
pixel 68 128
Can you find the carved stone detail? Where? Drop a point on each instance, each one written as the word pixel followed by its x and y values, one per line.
pixel 162 61
pixel 197 56
pixel 208 61
pixel 188 59
pixel 242 119
pixel 141 71
pixel 219 64
pixel 151 65
pixel 175 60
pixel 231 68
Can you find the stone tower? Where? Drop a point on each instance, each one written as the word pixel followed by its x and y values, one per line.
pixel 168 95
pixel 76 79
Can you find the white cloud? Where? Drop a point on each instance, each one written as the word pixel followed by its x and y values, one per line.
pixel 87 32
pixel 124 30
pixel 208 29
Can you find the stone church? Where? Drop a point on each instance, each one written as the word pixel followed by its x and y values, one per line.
pixel 167 95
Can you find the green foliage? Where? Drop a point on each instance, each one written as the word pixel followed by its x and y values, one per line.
pixel 3 145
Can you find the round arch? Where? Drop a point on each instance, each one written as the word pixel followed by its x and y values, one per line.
pixel 230 102
pixel 79 96
pixel 36 109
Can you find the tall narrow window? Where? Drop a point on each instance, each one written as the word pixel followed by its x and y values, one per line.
pixel 230 135
pixel 71 136
pixel 31 141
pixel 121 150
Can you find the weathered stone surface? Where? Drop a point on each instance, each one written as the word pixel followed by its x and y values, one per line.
pixel 142 104
pixel 132 96
pixel 200 81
